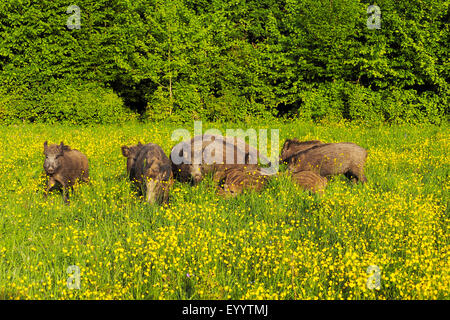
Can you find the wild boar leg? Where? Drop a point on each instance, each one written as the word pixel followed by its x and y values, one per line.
pixel 65 194
pixel 50 184
pixel 85 176
pixel 166 187
pixel 64 189
pixel 150 190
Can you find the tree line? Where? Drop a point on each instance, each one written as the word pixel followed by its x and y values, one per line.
pixel 223 60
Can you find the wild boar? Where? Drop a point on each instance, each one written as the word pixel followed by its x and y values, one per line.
pixel 293 146
pixel 236 180
pixel 64 167
pixel 310 181
pixel 331 159
pixel 204 154
pixel 150 170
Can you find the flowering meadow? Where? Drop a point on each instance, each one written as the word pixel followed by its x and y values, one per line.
pixel 281 243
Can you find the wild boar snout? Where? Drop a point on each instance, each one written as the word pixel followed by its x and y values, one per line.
pixel 51 163
pixel 130 164
pixel 196 173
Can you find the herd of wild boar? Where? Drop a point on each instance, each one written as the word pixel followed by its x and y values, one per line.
pixel 309 163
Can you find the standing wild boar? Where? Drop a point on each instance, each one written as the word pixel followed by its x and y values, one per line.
pixel 236 180
pixel 331 159
pixel 150 169
pixel 309 180
pixel 64 166
pixel 293 146
pixel 203 154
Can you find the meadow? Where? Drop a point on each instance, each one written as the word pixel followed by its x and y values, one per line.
pixel 282 243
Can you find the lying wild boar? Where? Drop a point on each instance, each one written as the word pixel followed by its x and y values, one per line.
pixel 203 154
pixel 150 169
pixel 64 166
pixel 293 146
pixel 309 180
pixel 236 180
pixel 331 159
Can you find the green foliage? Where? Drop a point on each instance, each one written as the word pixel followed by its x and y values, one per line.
pixel 364 104
pixel 324 102
pixel 342 100
pixel 72 104
pixel 232 60
pixel 407 106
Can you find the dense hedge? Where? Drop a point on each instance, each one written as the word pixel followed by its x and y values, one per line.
pixel 84 103
pixel 222 59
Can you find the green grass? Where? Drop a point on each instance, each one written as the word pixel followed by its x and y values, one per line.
pixel 280 243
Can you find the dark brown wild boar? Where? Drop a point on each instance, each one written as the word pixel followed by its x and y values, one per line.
pixel 204 154
pixel 331 159
pixel 236 180
pixel 64 166
pixel 310 181
pixel 293 146
pixel 150 169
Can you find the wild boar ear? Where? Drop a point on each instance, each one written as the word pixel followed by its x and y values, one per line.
pixel 61 147
pixel 45 146
pixel 139 144
pixel 125 151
